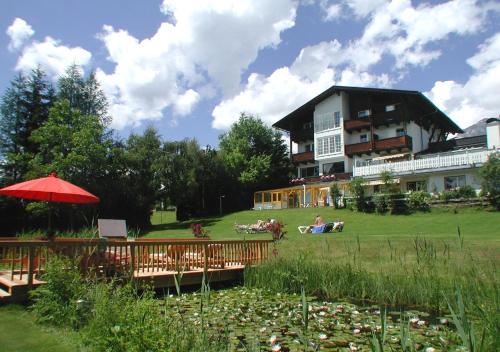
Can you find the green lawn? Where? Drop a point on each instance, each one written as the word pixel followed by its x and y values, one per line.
pixel 479 228
pixel 20 332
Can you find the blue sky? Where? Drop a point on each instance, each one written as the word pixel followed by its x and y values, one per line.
pixel 189 68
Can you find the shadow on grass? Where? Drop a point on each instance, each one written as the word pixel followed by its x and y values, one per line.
pixel 185 225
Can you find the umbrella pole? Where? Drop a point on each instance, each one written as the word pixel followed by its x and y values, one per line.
pixel 50 232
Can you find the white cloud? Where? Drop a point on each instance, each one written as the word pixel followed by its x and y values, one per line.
pixel 208 44
pixel 52 56
pixel 478 97
pixel 395 29
pixel 19 32
pixel 331 11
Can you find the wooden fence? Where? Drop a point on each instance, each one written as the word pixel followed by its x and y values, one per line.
pixel 25 260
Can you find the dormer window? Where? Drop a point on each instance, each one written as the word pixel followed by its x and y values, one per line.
pixel 391 107
pixel 364 113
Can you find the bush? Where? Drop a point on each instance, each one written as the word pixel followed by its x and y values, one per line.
pixel 381 203
pixel 398 204
pixel 466 192
pixel 490 172
pixel 59 301
pixel 356 187
pixel 419 200
pixel 458 193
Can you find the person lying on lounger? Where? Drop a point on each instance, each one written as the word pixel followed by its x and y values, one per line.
pixel 318 221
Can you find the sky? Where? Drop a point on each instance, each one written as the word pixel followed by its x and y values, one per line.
pixel 190 67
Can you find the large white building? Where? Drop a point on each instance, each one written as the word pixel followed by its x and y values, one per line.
pixel 348 132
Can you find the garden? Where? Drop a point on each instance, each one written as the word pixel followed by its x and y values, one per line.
pixel 425 282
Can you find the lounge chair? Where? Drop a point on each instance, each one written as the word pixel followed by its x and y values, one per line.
pixel 325 228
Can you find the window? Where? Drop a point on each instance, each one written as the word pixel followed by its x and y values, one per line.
pixel 333 168
pixel 391 107
pixel 267 197
pixel 329 144
pixel 416 186
pixel 327 121
pixel 452 182
pixel 309 171
pixel 307 125
pixel 258 197
pixel 363 138
pixel 400 132
pixel 309 147
pixel 336 119
pixel 364 113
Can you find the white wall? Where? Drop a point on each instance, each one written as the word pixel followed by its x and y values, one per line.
pixel 419 136
pixel 301 147
pixel 436 181
pixel 493 135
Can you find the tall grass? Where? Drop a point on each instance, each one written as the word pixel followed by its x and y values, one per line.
pixel 116 317
pixel 425 275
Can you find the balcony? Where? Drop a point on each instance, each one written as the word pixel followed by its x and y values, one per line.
pixel 301 135
pixel 384 118
pixel 400 143
pixel 465 159
pixel 325 178
pixel 356 125
pixel 303 157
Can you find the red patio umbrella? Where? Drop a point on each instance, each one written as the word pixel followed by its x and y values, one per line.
pixel 50 189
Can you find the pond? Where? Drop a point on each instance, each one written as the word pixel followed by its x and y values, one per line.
pixel 259 320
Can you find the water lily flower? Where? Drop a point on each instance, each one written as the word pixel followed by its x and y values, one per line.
pixel 273 339
pixel 356 331
pixel 276 348
pixel 421 323
pixel 430 349
pixel 322 313
pixel 355 312
pixel 352 346
pixel 444 321
pixel 323 336
pixel 414 320
pixel 262 329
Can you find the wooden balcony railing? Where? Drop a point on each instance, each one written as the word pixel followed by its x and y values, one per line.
pixel 401 142
pixel 303 157
pixel 25 260
pixel 356 124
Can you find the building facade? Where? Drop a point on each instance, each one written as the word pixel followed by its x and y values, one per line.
pixel 348 132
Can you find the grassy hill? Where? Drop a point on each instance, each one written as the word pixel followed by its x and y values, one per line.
pixel 479 228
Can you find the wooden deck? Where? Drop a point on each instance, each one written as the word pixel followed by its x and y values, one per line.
pixel 155 261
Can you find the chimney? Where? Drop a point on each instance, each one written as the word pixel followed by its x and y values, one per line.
pixel 493 133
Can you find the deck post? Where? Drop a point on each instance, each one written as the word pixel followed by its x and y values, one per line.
pixel 132 260
pixel 30 267
pixel 205 258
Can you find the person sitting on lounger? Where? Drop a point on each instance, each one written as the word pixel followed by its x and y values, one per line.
pixel 318 221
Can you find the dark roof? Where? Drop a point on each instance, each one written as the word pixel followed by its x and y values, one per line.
pixel 456 144
pixel 416 96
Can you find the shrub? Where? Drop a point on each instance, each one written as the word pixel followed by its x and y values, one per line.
pixel 490 172
pixel 398 204
pixel 58 302
pixel 335 192
pixel 419 200
pixel 381 203
pixel 356 187
pixel 466 192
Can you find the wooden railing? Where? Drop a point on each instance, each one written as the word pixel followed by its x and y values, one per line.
pixel 26 259
pixel 302 157
pixel 400 142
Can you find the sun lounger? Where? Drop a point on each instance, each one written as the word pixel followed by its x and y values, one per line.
pixel 325 228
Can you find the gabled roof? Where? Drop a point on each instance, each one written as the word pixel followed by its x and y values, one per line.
pixel 413 95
